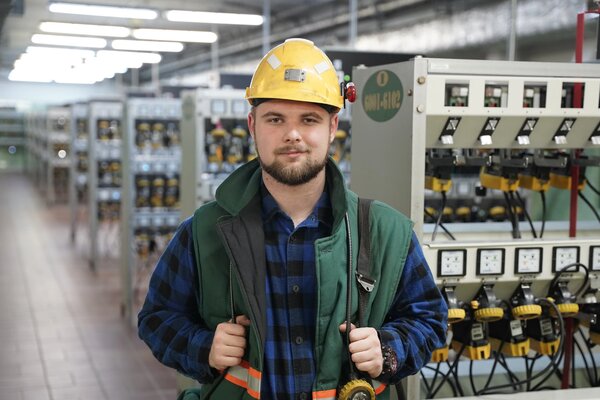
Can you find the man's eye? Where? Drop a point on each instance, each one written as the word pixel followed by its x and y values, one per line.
pixel 275 120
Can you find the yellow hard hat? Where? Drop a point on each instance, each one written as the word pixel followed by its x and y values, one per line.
pixel 296 70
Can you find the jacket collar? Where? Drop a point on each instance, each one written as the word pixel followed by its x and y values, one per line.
pixel 243 184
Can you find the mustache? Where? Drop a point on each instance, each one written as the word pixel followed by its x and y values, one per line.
pixel 292 149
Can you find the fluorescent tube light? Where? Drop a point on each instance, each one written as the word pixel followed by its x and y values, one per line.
pixel 58 52
pixel 175 35
pixel 148 58
pixel 147 45
pixel 85 29
pixel 103 11
pixel 213 18
pixel 58 40
pixel 28 76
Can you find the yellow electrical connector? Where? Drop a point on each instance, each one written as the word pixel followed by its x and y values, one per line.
pixel 455 315
pixel 473 352
pixel 440 355
pixel 527 311
pixel 437 184
pixel 563 182
pixel 498 182
pixel 518 349
pixel 489 314
pixel 532 183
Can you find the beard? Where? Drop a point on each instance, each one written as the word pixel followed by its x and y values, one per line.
pixel 293 175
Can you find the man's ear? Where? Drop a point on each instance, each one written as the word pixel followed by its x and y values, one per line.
pixel 251 124
pixel 333 127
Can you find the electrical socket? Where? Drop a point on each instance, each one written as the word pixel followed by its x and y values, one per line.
pixel 563 256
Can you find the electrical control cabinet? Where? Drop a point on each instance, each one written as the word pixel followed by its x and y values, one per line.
pixel 104 177
pixel 469 150
pixel 58 150
pixel 215 141
pixel 150 201
pixel 78 174
pixel 12 139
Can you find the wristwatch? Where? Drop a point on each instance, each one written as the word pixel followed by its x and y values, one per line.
pixel 390 361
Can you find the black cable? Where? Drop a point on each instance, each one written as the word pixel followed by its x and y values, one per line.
pixel 455 375
pixel 527 216
pixel 424 379
pixel 589 205
pixel 430 215
pixel 512 217
pixel 513 202
pixel 543 195
pixel 585 363
pixel 450 371
pixel 512 376
pixel 557 356
pixel 351 371
pixel 554 361
pixel 593 360
pixel 439 217
pixel 565 269
pixel 591 186
pixel 494 365
pixel 595 369
pixel 437 373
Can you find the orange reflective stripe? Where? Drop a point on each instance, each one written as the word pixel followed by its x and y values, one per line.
pixel 324 394
pixel 246 377
pixel 378 387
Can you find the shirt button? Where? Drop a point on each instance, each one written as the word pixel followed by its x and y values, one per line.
pixel 303 396
pixel 295 288
pixel 299 340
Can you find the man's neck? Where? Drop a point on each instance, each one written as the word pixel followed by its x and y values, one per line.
pixel 296 201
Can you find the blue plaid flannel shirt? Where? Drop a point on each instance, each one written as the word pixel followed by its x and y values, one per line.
pixel 169 322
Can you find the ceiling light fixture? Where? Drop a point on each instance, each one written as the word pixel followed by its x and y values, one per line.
pixel 103 11
pixel 175 35
pixel 147 45
pixel 76 41
pixel 147 58
pixel 213 18
pixel 57 52
pixel 85 29
pixel 28 76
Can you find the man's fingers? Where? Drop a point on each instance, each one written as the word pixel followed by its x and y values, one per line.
pixel 343 327
pixel 242 320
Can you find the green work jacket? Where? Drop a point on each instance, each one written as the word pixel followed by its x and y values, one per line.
pixel 230 252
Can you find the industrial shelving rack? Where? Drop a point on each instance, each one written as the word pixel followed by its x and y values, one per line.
pixel 104 176
pixel 150 203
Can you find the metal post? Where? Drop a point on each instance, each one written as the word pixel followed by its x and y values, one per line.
pixel 512 36
pixel 214 51
pixel 266 46
pixel 135 78
pixel 156 79
pixel 353 24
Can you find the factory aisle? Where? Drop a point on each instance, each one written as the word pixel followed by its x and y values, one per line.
pixel 61 330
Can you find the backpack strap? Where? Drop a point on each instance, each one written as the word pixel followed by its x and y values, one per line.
pixel 363 267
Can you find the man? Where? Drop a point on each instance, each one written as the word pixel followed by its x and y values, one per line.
pixel 249 296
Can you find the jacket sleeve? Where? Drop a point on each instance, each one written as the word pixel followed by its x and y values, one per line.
pixel 169 322
pixel 417 321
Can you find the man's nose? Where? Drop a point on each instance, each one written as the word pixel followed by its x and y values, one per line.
pixel 293 135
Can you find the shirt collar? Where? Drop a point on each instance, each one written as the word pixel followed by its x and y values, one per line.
pixel 322 210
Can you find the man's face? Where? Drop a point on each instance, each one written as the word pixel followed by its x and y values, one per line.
pixel 292 139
